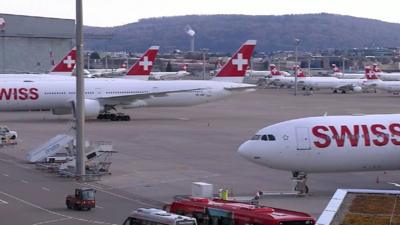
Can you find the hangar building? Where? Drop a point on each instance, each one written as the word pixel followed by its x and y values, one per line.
pixel 30 44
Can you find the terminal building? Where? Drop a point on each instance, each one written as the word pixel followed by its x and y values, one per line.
pixel 31 44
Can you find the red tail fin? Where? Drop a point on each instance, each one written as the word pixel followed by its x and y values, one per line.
pixel 370 74
pixel 142 67
pixel 66 65
pixel 335 68
pixel 299 72
pixel 375 68
pixel 235 69
pixel 274 71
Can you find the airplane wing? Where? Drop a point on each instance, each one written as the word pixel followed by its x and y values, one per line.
pixel 129 98
pixel 346 87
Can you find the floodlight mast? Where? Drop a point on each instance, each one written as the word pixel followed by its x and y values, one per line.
pixel 80 96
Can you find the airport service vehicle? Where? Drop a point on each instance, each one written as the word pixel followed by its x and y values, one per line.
pixel 339 74
pixel 7 136
pixel 104 96
pixel 327 144
pixel 84 199
pixel 152 216
pixel 62 70
pixel 218 211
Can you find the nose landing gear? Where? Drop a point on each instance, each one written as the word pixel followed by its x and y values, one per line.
pixel 299 180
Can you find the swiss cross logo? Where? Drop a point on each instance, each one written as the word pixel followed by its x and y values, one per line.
pixel 145 63
pixel 69 61
pixel 239 62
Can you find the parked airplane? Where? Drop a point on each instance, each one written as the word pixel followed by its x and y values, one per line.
pixel 385 76
pixel 333 83
pixel 374 81
pixel 170 75
pixel 279 78
pixel 339 74
pixel 327 144
pixel 105 95
pixel 64 67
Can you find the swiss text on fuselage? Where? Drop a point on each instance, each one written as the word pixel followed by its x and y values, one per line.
pixel 356 135
pixel 8 94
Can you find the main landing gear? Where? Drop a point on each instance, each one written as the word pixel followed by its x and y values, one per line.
pixel 299 182
pixel 114 116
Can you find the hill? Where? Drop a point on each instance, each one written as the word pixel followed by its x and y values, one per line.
pixel 226 32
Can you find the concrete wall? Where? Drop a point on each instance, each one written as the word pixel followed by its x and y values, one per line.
pixel 26 42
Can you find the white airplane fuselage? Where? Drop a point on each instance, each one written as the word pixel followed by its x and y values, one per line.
pixel 328 144
pixel 58 94
pixel 341 75
pixel 329 82
pixel 390 86
pixel 389 76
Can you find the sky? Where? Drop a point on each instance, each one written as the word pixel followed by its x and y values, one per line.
pixel 107 13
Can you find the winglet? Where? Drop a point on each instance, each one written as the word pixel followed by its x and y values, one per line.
pixel 66 65
pixel 142 67
pixel 235 69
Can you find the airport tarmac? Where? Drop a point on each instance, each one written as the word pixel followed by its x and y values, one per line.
pixel 161 151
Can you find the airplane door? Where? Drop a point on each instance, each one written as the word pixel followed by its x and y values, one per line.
pixel 303 138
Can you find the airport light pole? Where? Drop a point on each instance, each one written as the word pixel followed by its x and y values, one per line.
pixel 296 42
pixel 80 96
pixel 343 63
pixel 204 50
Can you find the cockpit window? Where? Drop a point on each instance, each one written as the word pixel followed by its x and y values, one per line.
pixel 271 137
pixel 256 137
pixel 264 138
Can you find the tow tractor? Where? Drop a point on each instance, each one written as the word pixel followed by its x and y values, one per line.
pixel 84 199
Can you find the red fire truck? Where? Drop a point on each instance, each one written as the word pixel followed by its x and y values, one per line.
pixel 222 212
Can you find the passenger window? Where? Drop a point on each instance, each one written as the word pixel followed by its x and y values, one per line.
pixel 271 137
pixel 264 138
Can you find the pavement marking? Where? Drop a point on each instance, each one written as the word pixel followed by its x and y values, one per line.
pixel 3 202
pixel 24 181
pixel 120 196
pixel 53 212
pixel 4 174
pixel 100 207
pixel 45 189
pixel 52 221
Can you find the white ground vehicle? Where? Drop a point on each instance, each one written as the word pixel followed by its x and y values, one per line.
pixel 7 136
pixel 152 216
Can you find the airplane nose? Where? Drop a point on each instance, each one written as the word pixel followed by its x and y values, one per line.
pixel 244 150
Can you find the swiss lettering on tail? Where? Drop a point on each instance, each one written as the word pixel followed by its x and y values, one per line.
pixel 142 67
pixel 66 65
pixel 235 69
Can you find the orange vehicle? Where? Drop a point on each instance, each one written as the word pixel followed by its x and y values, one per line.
pixel 222 212
pixel 84 199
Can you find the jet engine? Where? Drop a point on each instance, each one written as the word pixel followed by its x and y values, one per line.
pixel 92 109
pixel 357 89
